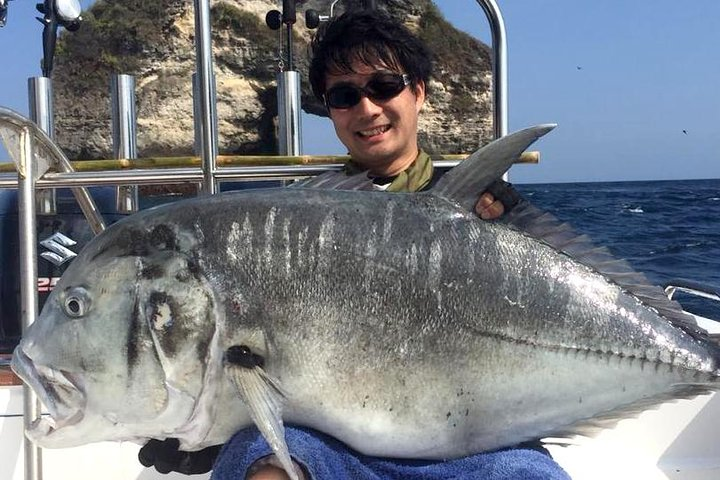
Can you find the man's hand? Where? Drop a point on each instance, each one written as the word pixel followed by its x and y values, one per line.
pixel 500 197
pixel 269 468
pixel 488 208
pixel 166 457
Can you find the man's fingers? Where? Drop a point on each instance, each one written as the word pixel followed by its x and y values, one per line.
pixel 488 208
pixel 486 199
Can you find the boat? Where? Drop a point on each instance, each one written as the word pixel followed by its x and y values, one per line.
pixel 674 441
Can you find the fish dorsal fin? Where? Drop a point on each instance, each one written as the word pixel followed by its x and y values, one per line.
pixel 547 228
pixel 466 182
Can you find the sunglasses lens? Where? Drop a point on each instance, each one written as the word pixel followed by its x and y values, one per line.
pixel 385 87
pixel 343 96
pixel 382 86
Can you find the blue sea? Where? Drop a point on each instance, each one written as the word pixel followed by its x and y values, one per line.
pixel 665 229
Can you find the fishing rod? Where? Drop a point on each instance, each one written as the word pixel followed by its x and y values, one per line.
pixel 288 81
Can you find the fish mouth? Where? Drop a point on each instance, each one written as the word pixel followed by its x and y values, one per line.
pixel 60 392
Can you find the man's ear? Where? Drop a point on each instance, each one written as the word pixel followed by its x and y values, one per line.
pixel 419 95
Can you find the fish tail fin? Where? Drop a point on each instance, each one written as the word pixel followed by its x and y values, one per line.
pixel 466 182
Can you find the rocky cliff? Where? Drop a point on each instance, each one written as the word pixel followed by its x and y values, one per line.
pixel 153 40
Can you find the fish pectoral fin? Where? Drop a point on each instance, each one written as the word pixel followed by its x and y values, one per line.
pixel 264 398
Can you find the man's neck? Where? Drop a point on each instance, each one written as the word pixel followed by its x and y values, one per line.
pixel 395 167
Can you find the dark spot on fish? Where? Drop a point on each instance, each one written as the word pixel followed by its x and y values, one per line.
pixel 163 238
pixel 152 271
pixel 236 306
pixel 580 400
pixel 390 409
pixel 202 346
pixel 454 424
pixel 138 332
pixel 131 243
pixel 157 298
pixel 467 410
pixel 164 316
pixel 193 266
pixel 448 415
pixel 363 405
pixel 242 356
pixel 133 336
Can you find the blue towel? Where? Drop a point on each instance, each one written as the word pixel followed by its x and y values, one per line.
pixel 325 458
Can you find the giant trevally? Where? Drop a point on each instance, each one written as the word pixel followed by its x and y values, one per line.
pixel 400 324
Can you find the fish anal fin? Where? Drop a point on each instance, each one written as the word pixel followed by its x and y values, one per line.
pixel 263 397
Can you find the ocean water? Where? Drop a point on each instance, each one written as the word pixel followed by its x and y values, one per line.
pixel 665 229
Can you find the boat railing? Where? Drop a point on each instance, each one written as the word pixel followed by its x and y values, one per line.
pixel 691 287
pixel 707 294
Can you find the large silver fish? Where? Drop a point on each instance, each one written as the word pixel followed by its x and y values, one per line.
pixel 400 324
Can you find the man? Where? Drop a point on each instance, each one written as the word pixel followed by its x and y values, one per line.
pixel 374 91
pixel 372 73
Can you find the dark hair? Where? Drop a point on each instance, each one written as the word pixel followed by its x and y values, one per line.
pixel 369 37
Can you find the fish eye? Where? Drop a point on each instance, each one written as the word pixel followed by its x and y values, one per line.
pixel 76 303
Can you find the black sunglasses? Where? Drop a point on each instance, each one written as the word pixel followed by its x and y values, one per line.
pixel 382 86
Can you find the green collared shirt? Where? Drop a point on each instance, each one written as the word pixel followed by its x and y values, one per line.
pixel 413 179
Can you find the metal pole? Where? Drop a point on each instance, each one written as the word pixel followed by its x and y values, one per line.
pixel 206 87
pixel 122 93
pixel 198 141
pixel 500 66
pixel 290 130
pixel 41 112
pixel 28 288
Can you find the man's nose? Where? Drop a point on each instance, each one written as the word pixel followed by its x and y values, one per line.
pixel 368 106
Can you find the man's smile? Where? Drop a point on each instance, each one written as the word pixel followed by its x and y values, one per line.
pixel 371 132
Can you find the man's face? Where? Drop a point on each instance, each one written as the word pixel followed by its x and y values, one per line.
pixel 379 134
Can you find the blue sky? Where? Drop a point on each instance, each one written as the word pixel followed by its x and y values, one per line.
pixel 648 69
